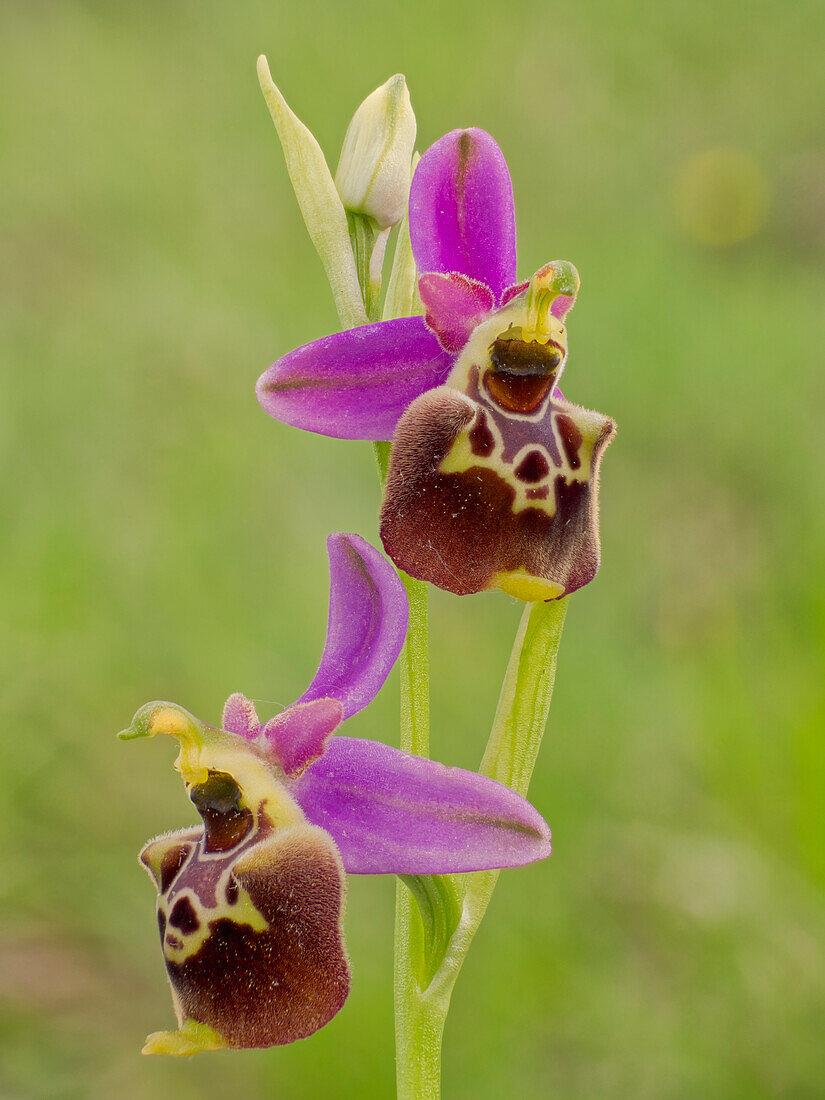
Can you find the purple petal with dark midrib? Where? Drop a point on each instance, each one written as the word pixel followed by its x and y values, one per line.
pixel 367 624
pixel 391 812
pixel 461 210
pixel 355 384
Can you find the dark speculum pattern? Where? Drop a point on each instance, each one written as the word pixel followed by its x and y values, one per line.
pixel 184 917
pixel 533 467
pixel 571 439
pixel 482 440
pixel 171 863
pixel 225 821
pixel 522 374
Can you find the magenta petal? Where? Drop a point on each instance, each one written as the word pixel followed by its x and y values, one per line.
pixel 355 384
pixel 298 735
pixel 240 716
pixel 367 625
pixel 455 306
pixel 391 812
pixel 461 210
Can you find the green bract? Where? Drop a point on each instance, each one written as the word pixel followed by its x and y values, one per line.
pixel 318 199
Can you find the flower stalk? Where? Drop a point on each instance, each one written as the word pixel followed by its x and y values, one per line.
pixel 418 1025
pixel 455 906
pixel 512 750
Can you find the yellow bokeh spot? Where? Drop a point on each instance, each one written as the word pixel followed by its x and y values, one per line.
pixel 523 586
pixel 721 196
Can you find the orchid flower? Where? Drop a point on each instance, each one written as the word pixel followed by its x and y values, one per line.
pixel 493 475
pixel 250 904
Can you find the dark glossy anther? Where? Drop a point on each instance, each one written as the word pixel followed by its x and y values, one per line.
pixel 525 357
pixel 225 821
pixel 523 372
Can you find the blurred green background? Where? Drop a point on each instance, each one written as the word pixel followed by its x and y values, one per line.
pixel 163 538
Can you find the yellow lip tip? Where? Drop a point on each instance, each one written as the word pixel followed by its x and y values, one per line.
pixel 192 1038
pixel 524 587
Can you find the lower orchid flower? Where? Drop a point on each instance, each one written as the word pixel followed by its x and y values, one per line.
pixel 493 476
pixel 250 904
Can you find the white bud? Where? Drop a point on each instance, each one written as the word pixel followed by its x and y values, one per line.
pixel 373 176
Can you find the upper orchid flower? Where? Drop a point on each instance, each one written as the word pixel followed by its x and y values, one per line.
pixel 493 475
pixel 250 903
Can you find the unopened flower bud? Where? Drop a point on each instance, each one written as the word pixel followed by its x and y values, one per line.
pixel 373 176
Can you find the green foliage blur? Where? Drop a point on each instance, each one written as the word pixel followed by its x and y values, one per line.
pixel 162 538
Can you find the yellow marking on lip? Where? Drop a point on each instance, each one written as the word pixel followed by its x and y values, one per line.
pixel 241 912
pixel 524 586
pixel 461 460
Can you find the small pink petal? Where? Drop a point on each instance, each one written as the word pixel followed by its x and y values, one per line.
pixel 298 735
pixel 239 716
pixel 513 292
pixel 455 305
pixel 562 304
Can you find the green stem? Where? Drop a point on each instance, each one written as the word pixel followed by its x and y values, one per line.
pixel 382 459
pixel 511 753
pixel 415 673
pixel 518 729
pixel 368 247
pixel 526 694
pixel 418 1027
